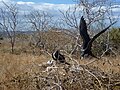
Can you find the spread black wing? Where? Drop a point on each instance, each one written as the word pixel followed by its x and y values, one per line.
pixel 87 42
pixel 84 33
pixel 97 35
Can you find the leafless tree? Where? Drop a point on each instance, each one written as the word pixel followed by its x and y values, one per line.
pixel 9 22
pixel 95 12
pixel 72 17
pixel 40 22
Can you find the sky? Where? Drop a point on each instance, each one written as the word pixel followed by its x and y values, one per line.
pixel 52 5
pixel 50 1
pixel 49 4
pixel 56 1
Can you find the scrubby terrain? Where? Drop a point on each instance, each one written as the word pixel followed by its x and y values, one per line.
pixel 30 33
pixel 30 72
pixel 27 68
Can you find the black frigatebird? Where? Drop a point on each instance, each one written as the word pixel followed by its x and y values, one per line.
pixel 87 41
pixel 57 56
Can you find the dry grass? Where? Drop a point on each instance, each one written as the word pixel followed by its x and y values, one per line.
pixel 27 72
pixel 12 65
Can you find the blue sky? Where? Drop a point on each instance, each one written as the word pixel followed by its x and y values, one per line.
pixel 57 1
pixel 50 1
pixel 53 6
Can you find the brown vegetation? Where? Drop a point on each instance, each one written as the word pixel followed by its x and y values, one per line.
pixel 27 68
pixel 24 55
pixel 29 72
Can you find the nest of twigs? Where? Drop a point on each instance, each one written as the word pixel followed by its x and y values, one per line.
pixel 63 77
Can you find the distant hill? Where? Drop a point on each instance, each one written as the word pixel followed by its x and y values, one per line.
pixel 5 34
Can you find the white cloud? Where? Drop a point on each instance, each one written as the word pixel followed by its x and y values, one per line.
pixel 101 8
pixel 48 6
pixel 25 3
pixel 116 8
pixel 53 8
pixel 56 7
pixel 5 0
pixel 45 6
pixel 26 7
